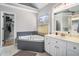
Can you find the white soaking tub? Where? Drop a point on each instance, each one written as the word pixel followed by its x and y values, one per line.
pixel 31 42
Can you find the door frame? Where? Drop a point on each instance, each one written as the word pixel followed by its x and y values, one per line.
pixel 2 22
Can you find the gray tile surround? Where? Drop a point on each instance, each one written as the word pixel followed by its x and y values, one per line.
pixel 27 33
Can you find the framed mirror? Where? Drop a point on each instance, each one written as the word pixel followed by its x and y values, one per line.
pixel 75 24
pixel 62 21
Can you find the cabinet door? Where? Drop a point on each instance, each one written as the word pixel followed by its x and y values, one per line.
pixel 52 46
pixel 58 51
pixel 72 49
pixel 61 48
pixel 71 53
pixel 52 49
pixel 47 44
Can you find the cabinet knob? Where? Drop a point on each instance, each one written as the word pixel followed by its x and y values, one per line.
pixel 56 47
pixel 48 43
pixel 74 48
pixel 56 41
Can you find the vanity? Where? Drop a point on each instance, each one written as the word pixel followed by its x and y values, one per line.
pixel 61 46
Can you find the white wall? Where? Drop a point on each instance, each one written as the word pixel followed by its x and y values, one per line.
pixel 25 21
pixel 0 32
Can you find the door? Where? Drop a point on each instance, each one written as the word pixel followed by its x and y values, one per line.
pixel 7 24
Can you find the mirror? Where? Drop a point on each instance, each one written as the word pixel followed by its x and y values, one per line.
pixel 58 25
pixel 57 22
pixel 74 18
pixel 62 21
pixel 68 20
pixel 75 24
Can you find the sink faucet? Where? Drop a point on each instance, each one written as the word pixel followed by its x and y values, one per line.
pixel 69 33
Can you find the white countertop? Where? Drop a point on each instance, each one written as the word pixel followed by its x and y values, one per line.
pixel 66 38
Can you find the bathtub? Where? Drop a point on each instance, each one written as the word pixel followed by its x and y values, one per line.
pixel 36 38
pixel 31 42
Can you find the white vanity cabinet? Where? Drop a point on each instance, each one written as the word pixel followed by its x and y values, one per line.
pixel 72 49
pixel 60 47
pixel 55 47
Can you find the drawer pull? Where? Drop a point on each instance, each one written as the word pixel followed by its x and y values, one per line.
pixel 74 48
pixel 56 41
pixel 48 43
pixel 56 47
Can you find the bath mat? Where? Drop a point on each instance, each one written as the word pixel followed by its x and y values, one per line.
pixel 25 53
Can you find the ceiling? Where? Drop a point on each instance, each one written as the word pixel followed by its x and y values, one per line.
pixel 74 9
pixel 35 5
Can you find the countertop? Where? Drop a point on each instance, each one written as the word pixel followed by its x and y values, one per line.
pixel 66 38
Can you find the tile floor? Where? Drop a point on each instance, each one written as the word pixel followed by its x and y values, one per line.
pixel 11 50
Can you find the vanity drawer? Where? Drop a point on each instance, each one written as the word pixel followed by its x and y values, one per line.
pixel 53 41
pixel 73 46
pixel 61 43
pixel 71 53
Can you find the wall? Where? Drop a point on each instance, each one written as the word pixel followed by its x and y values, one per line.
pixel 43 29
pixel 0 31
pixel 25 21
pixel 47 10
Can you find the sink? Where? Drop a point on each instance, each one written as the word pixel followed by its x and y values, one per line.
pixel 57 36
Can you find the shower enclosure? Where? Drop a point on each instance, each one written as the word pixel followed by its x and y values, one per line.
pixel 7 29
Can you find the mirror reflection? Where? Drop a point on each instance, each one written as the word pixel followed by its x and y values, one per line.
pixel 62 21
pixel 68 20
